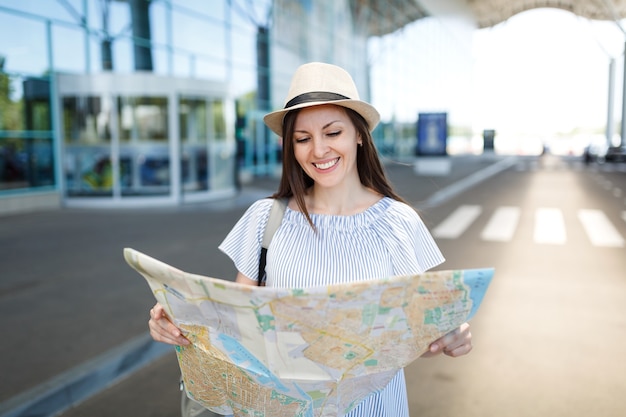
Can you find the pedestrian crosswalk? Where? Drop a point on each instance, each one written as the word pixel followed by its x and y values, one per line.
pixel 549 225
pixel 502 224
pixel 599 228
pixel 458 222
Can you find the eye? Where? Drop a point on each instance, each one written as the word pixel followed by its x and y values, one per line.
pixel 302 139
pixel 334 133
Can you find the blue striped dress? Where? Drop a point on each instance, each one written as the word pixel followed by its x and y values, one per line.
pixel 387 239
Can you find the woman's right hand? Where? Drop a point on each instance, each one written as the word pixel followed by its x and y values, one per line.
pixel 162 329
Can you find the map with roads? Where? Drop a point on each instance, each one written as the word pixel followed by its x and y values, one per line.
pixel 318 351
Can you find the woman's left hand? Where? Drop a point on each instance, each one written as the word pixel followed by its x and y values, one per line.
pixel 456 343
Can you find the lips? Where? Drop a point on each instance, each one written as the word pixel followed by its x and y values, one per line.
pixel 327 165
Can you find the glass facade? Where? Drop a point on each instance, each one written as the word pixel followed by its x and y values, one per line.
pixel 26 140
pixel 134 136
pixel 122 142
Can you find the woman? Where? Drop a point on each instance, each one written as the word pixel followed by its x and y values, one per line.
pixel 343 220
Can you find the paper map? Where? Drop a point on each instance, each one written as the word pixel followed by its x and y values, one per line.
pixel 318 351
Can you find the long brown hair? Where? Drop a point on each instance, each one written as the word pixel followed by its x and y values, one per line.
pixel 295 182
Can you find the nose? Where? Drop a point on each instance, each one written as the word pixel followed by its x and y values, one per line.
pixel 320 147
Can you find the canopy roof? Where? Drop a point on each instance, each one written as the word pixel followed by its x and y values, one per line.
pixel 491 12
pixel 381 17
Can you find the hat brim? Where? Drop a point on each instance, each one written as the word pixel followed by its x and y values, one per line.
pixel 274 120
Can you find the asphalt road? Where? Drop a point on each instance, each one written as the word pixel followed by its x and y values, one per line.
pixel 549 337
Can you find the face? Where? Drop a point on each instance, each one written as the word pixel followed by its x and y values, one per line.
pixel 325 145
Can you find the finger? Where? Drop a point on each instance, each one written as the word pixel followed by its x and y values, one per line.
pixel 163 330
pixel 443 342
pixel 157 311
pixel 460 344
pixel 459 351
pixel 160 336
pixel 166 333
pixel 452 340
pixel 160 318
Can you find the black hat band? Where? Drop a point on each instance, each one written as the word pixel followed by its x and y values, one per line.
pixel 314 96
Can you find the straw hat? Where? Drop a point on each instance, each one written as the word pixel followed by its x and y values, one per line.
pixel 317 83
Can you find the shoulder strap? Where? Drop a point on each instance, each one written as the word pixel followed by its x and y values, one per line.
pixel 273 223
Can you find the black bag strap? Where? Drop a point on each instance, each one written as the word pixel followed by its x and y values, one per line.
pixel 273 223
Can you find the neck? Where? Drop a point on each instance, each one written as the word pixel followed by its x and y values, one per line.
pixel 347 199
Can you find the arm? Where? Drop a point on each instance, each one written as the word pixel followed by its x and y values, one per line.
pixel 163 330
pixel 242 279
pixel 456 343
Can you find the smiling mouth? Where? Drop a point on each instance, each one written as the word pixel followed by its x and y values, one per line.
pixel 327 165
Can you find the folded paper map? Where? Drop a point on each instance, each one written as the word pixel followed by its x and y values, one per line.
pixel 261 351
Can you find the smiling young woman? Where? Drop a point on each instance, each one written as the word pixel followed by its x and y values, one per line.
pixel 343 222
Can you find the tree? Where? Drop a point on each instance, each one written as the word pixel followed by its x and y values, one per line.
pixel 10 111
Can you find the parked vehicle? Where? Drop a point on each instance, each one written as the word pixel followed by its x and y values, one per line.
pixel 615 154
pixel 595 152
pixel 601 152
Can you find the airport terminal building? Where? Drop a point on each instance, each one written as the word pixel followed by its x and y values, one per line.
pixel 125 103
pixel 120 103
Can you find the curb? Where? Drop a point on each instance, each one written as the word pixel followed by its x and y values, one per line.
pixel 81 382
pixel 466 183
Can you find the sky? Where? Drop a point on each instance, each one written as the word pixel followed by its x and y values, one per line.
pixel 546 70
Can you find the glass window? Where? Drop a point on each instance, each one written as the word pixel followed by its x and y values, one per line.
pixel 26 162
pixel 143 119
pixel 194 139
pixel 86 120
pixel 68 45
pixel 87 137
pixel 88 171
pixel 193 120
pixel 219 120
pixel 144 145
pixel 26 151
pixel 24 44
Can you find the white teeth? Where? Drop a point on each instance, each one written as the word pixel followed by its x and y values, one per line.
pixel 327 164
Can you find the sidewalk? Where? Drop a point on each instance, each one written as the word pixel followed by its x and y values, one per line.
pixel 77 314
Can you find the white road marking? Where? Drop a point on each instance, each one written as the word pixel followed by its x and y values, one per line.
pixel 599 229
pixel 502 224
pixel 549 227
pixel 457 222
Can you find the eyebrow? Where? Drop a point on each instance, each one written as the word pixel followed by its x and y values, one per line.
pixel 323 127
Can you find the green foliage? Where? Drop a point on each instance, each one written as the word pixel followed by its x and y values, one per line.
pixel 10 111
